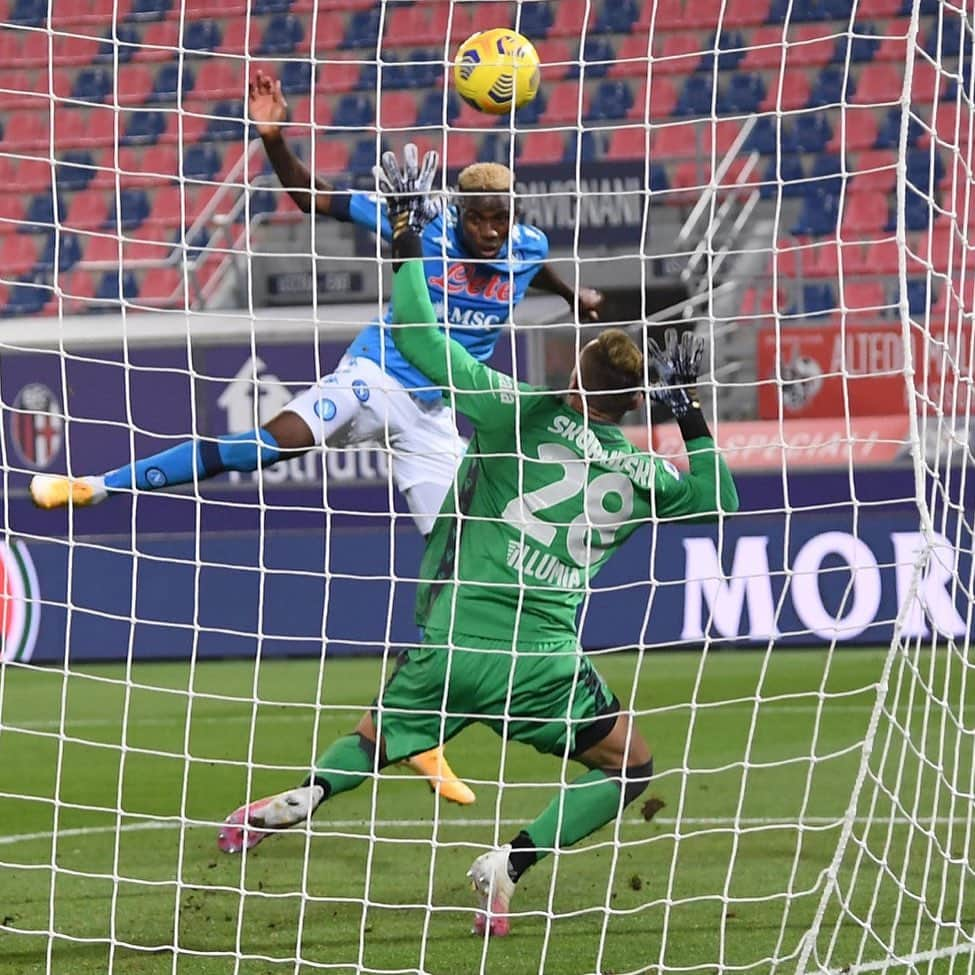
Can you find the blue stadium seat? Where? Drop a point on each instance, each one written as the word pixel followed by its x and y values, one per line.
pixel 40 212
pixel 201 35
pixel 924 170
pixel 29 13
pixel 368 77
pixel 917 298
pixel 128 41
pixel 201 161
pixel 68 252
pixel 431 109
pixel 889 130
pixel 785 172
pixel 658 178
pixel 172 81
pixel 270 6
pixel 108 287
pixel 948 39
pixel 536 19
pixel 819 213
pixel 75 170
pixel 827 174
pixel 616 17
pixel 731 47
pixel 695 97
pixel 770 136
pixel 396 75
pixel 917 213
pixel 862 46
pixel 364 156
pixel 813 301
pixel 833 86
pixel 92 84
pixel 588 148
pixel 801 11
pixel 495 147
pixel 598 55
pixel 261 201
pixel 144 128
pixel 362 30
pixel 282 35
pixel 132 207
pixel 355 111
pixel 928 7
pixel 612 100
pixel 812 132
pixel 227 122
pixel 149 9
pixel 836 9
pixel 425 69
pixel 296 77
pixel 27 297
pixel 741 94
pixel 532 113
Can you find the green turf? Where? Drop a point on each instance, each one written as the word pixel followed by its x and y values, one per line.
pixel 687 890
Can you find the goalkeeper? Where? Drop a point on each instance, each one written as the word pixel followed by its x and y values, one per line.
pixel 549 489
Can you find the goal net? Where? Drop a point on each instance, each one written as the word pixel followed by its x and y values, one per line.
pixel 792 179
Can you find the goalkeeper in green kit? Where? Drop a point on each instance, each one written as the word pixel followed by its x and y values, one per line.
pixel 548 490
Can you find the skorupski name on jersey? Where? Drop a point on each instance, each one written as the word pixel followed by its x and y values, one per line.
pixel 637 467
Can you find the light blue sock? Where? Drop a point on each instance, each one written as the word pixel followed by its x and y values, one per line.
pixel 199 458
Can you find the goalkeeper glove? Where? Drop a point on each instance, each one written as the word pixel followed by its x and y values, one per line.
pixel 677 365
pixel 407 190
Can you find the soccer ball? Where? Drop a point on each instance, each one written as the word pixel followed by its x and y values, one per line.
pixel 495 69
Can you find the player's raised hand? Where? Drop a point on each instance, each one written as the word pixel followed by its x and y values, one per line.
pixel 589 302
pixel 678 365
pixel 266 104
pixel 407 188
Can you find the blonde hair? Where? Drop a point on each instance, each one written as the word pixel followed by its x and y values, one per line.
pixel 611 371
pixel 485 177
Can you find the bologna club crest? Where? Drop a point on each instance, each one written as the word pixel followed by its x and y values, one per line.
pixel 37 426
pixel 20 604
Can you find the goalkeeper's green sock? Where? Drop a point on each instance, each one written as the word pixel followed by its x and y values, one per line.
pixel 585 804
pixel 346 763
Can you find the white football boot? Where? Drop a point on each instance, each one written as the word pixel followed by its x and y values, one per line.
pixel 489 878
pixel 56 491
pixel 247 826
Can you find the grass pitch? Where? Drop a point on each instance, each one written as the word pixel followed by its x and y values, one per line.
pixel 112 782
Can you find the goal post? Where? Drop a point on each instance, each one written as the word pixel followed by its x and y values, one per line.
pixel 792 179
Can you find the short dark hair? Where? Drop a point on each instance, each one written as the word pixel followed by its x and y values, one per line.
pixel 611 372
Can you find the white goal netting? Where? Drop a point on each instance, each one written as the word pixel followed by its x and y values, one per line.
pixel 792 179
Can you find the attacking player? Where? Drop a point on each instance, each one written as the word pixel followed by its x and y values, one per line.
pixel 374 395
pixel 549 489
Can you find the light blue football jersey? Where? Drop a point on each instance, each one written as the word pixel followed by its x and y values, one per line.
pixel 474 298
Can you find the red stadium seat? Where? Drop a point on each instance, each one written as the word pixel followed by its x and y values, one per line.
pixel 555 57
pixel 879 84
pixel 134 84
pixel 461 150
pixel 542 147
pixel 765 49
pixel 397 109
pixel 564 104
pixel 78 288
pixel 71 49
pixel 692 174
pixel 863 296
pixel 336 77
pixel 794 95
pixel 663 98
pixel 853 129
pixel 102 11
pixel 875 170
pixel 33 174
pixel 745 13
pixel 166 208
pixel 32 50
pixel 403 25
pixel 219 77
pixel 160 163
pixel 893 47
pixel 160 42
pixel 471 118
pixel 26 130
pixel 883 256
pixel 329 28
pixel 810 46
pixel 18 254
pixel 927 83
pixel 632 58
pixel 102 248
pixel 162 286
pixel 569 18
pixel 680 140
pixel 868 9
pixel 331 156
pixel 11 210
pixel 461 24
pixel 865 213
pixel 678 54
pixel 87 210
pixel 662 15
pixel 146 250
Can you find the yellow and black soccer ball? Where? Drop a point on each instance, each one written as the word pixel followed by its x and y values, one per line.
pixel 495 69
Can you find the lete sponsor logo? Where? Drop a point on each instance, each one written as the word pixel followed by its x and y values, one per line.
pixel 20 605
pixel 37 425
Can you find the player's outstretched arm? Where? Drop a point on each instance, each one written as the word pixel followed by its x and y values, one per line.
pixel 481 393
pixel 709 489
pixel 268 108
pixel 586 302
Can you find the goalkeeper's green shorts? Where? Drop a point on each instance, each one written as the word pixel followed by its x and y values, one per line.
pixel 548 696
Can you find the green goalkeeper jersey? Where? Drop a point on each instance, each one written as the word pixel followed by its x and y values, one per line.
pixel 542 499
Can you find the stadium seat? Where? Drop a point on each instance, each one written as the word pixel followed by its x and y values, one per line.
pixel 87 210
pixel 854 128
pixel 28 13
pixel 25 130
pixel 62 248
pixel 461 24
pixel 794 94
pixel 615 18
pixel 664 15
pixel 40 212
pixel 811 132
pixel 282 34
pixel 663 98
pixel 770 136
pixel 174 81
pixel 809 46
pixel 469 117
pixel 536 20
pixel 746 13
pixel 101 248
pixel 875 170
pixel 109 290
pixel 612 100
pixel 677 54
pixel 918 298
pixel 431 111
pixel 329 26
pixel 541 147
pixel 331 156
pixel 864 296
pixel 570 15
pixel 462 150
pixel 565 105
pixel 70 49
pixel 827 173
pixel 143 127
pixel 365 155
pixel 408 25
pixel 362 30
pixel 75 170
pixel 943 38
pixel 864 213
pixel 18 254
pixel 597 54
pixel 165 212
pixel 353 111
pixel 241 36
pixel 765 49
pixel 813 301
pixel 883 256
pixel 925 168
pixel 336 77
pixel 201 35
pixel 160 42
pixel 741 94
pixel 11 210
pixel 683 140
pixel 730 46
pixel 878 8
pixel 893 42
pixel 128 211
pixel 33 175
pixel 696 97
pixel 135 84
pixel 627 143
pixel 927 82
pixel 819 213
pixel 28 296
pixel 270 6
pixel 201 162
pixel 31 51
pixel 857 47
pixel 632 58
pixel 226 122
pixel 783 174
pixel 162 286
pixel 78 288
pixel 220 77
pixel 532 113
pixel 889 131
pixel 296 77
pixel 879 84
pixel 397 110
pixel 124 48
pixel 834 86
